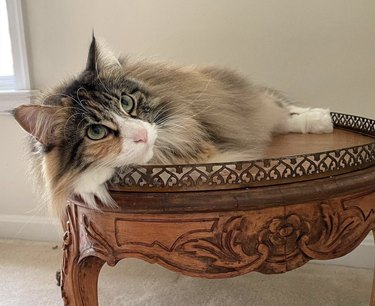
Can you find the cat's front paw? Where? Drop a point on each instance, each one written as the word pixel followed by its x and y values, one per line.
pixel 310 120
pixel 318 121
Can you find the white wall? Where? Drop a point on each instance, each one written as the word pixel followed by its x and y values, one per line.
pixel 22 213
pixel 13 178
pixel 320 52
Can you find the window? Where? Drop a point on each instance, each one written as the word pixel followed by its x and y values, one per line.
pixel 14 73
pixel 6 58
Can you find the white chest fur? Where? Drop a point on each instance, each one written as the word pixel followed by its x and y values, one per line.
pixel 91 184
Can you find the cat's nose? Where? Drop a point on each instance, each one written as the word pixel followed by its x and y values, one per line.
pixel 140 136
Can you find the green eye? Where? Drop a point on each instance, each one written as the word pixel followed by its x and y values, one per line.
pixel 97 131
pixel 127 103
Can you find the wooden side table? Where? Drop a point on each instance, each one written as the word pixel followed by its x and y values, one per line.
pixel 224 220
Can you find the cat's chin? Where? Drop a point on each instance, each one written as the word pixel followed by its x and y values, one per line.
pixel 143 156
pixel 146 157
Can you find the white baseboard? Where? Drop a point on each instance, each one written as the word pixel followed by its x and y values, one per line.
pixel 47 229
pixel 39 228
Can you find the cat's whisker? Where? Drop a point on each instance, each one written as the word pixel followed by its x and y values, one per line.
pixel 72 116
pixel 175 125
pixel 98 76
pixel 163 148
pixel 32 214
pixel 80 101
pixel 37 209
pixel 158 115
pixel 204 90
pixel 170 117
pixel 202 111
pixel 82 120
pixel 61 108
pixel 177 109
pixel 63 95
pixel 77 94
pixel 159 112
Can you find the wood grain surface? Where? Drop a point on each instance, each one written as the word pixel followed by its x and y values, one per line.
pixel 296 144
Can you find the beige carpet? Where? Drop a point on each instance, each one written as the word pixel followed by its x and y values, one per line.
pixel 27 277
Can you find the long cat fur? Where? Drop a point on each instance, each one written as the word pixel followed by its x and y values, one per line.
pixel 190 115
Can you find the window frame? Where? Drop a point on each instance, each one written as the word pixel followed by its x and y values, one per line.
pixel 20 93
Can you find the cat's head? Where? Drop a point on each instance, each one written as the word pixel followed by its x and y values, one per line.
pixel 86 127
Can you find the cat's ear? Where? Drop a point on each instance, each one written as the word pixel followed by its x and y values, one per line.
pixel 38 120
pixel 101 58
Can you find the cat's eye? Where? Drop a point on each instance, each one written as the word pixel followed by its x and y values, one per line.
pixel 97 131
pixel 127 104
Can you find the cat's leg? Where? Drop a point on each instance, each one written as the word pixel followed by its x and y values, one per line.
pixel 297 119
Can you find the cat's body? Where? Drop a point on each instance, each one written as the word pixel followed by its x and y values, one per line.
pixel 115 114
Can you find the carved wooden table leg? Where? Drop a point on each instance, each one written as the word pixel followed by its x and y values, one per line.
pixel 79 277
pixel 372 302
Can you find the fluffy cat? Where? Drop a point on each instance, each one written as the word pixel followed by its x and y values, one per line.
pixel 118 112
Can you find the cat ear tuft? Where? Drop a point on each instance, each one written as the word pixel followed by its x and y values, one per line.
pixel 91 58
pixel 38 120
pixel 100 57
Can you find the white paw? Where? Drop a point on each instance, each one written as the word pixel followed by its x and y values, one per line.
pixel 318 121
pixel 313 120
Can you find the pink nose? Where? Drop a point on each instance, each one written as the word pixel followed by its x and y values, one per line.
pixel 140 136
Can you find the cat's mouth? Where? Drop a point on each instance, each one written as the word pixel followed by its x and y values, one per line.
pixel 145 151
pixel 138 150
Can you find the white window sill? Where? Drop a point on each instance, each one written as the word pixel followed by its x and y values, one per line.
pixel 10 99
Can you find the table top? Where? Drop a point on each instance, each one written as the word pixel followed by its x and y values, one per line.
pixel 304 144
pixel 289 158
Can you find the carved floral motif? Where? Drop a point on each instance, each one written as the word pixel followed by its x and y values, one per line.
pixel 281 235
pixel 237 243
